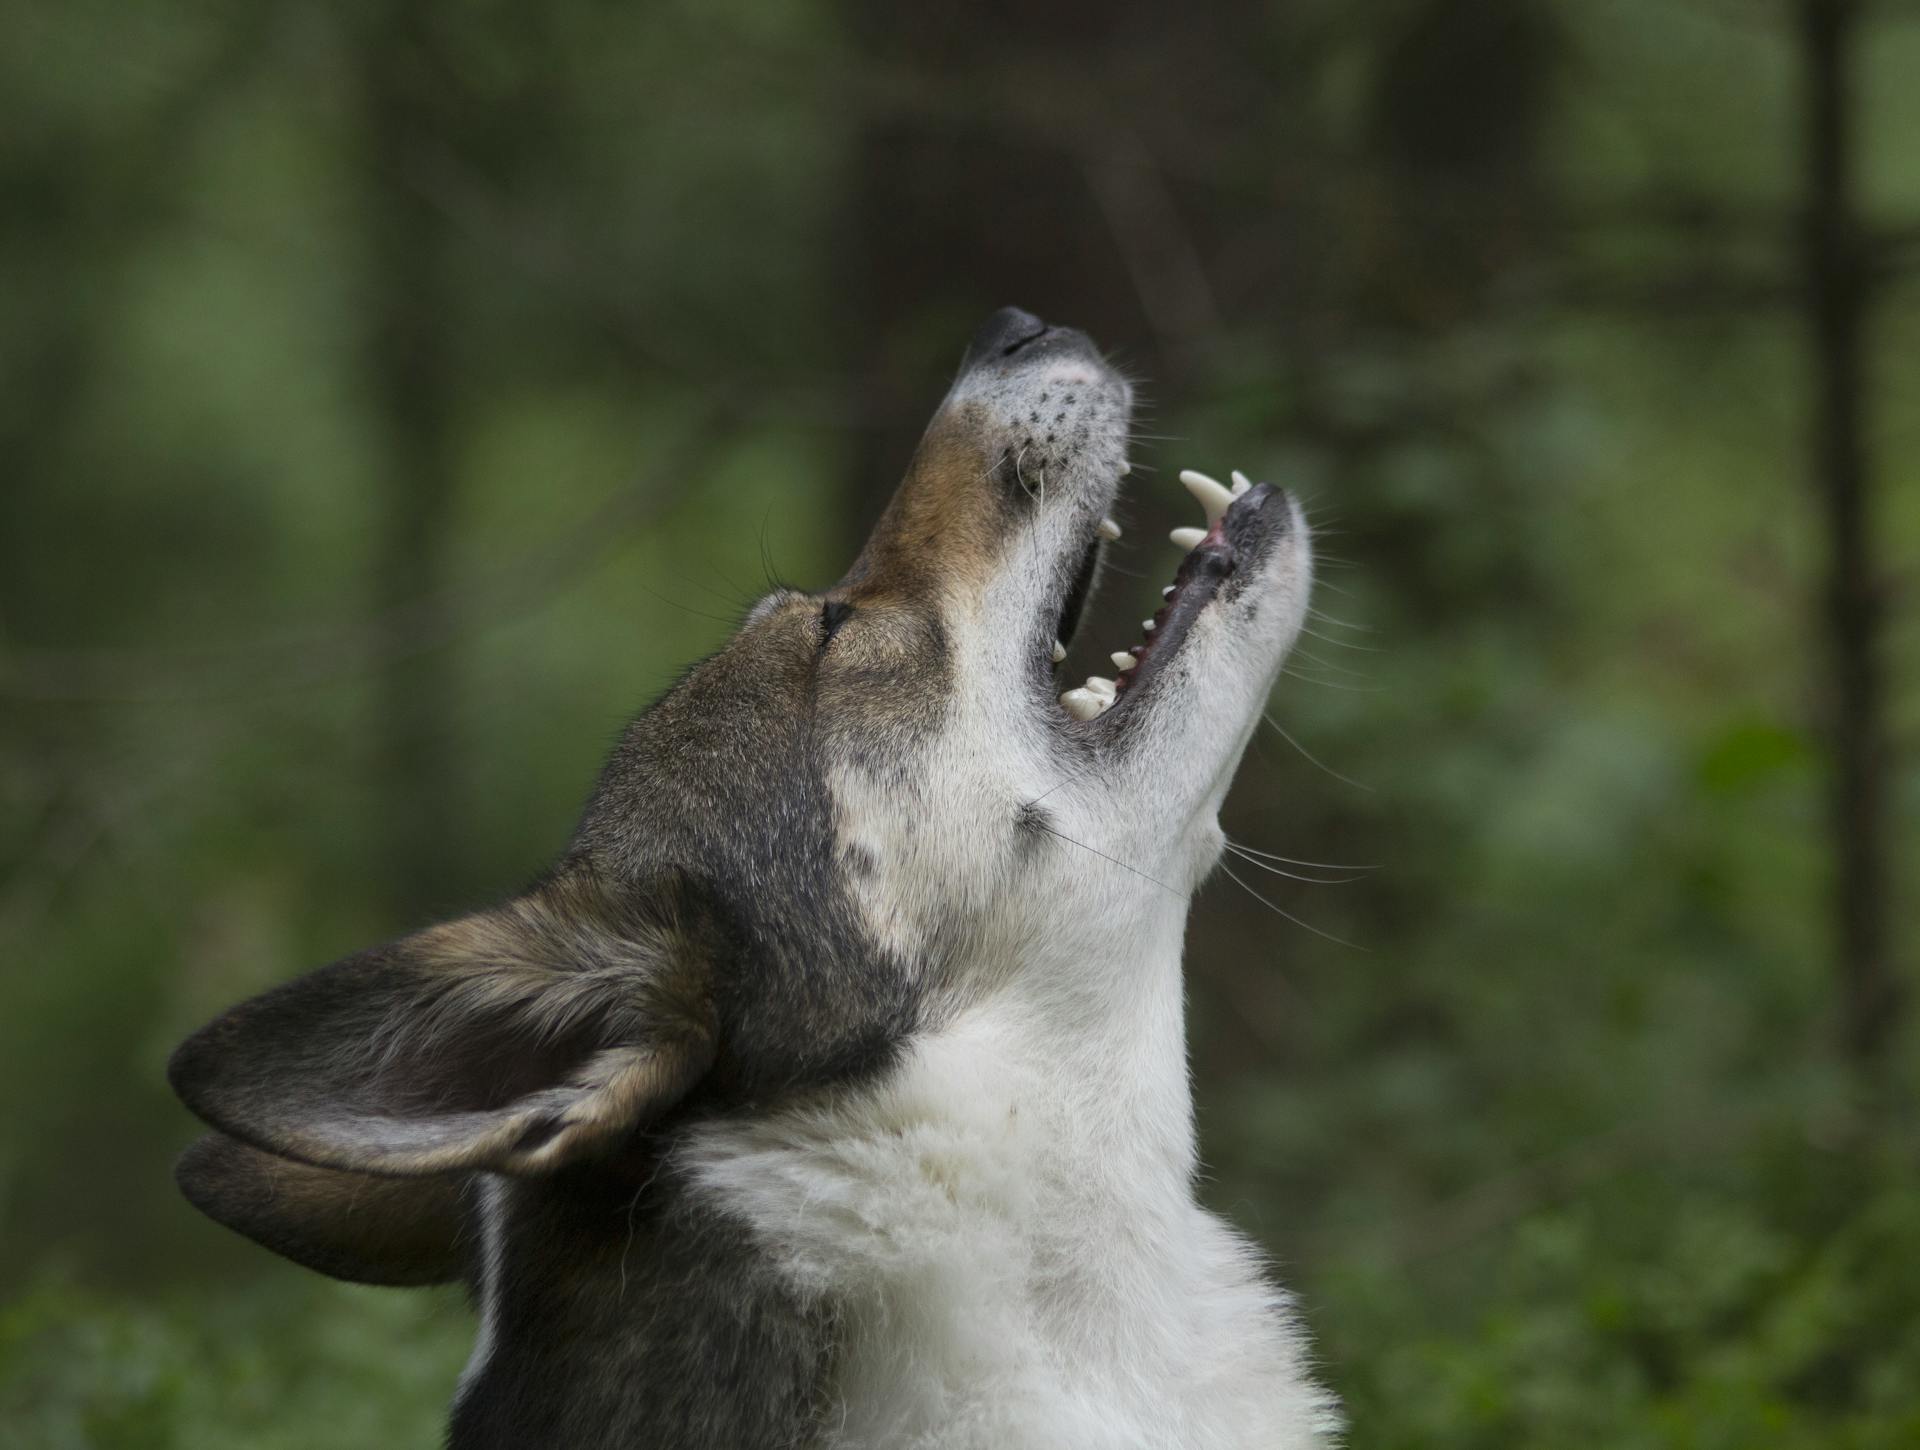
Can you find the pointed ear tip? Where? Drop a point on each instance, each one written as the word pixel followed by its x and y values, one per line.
pixel 201 1070
pixel 203 1169
pixel 189 1070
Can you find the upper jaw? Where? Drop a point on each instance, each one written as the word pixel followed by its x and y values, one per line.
pixel 1052 419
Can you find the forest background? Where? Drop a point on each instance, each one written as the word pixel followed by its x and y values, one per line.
pixel 398 393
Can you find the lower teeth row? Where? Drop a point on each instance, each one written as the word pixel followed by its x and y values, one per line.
pixel 1098 694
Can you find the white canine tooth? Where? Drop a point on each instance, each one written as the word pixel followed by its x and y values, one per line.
pixel 1059 651
pixel 1101 686
pixel 1122 661
pixel 1211 493
pixel 1109 529
pixel 1082 704
pixel 1241 483
pixel 1126 467
pixel 1147 625
pixel 1166 591
pixel 1187 538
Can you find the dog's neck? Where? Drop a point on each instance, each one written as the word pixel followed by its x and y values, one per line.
pixel 1005 1221
pixel 1099 1018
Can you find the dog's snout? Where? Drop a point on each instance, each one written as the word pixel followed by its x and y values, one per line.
pixel 1002 335
pixel 1012 340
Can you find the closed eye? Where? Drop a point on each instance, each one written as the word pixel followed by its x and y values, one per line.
pixel 833 614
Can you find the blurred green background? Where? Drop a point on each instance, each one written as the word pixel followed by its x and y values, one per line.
pixel 397 394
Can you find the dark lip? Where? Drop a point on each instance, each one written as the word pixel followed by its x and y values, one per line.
pixel 1237 542
pixel 1074 606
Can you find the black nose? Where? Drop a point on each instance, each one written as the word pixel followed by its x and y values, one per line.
pixel 1002 335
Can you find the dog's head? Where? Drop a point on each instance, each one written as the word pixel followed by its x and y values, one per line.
pixel 874 804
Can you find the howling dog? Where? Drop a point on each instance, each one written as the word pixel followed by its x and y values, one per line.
pixel 831 1090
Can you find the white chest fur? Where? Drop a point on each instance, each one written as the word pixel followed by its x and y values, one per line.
pixel 1007 1228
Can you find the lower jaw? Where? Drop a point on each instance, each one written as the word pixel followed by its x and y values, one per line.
pixel 1238 526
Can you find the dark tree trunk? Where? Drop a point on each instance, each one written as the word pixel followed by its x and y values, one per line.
pixel 947 218
pixel 1838 299
pixel 409 373
pixel 975 186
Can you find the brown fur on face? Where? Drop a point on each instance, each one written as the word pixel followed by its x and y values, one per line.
pixel 942 533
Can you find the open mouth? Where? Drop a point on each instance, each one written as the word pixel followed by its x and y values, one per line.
pixel 1239 528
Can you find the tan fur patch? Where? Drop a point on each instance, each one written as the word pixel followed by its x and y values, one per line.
pixel 945 527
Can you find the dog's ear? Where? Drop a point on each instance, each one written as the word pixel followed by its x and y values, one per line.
pixel 354 1226
pixel 517 1040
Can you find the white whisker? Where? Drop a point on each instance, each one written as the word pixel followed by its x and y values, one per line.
pixel 1294 674
pixel 1297 861
pixel 1339 669
pixel 1326 618
pixel 1281 911
pixel 1252 860
pixel 1105 857
pixel 1341 643
pixel 1312 759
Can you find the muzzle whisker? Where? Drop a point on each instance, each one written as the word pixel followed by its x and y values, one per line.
pixel 739 599
pixel 1338 643
pixel 1313 760
pixel 1282 911
pixel 1019 473
pixel 1042 825
pixel 729 620
pixel 1252 859
pixel 1334 619
pixel 1063 781
pixel 1301 861
pixel 1308 655
pixel 1293 674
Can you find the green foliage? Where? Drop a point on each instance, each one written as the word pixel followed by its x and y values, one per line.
pixel 296 1364
pixel 1640 1317
pixel 1561 1155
